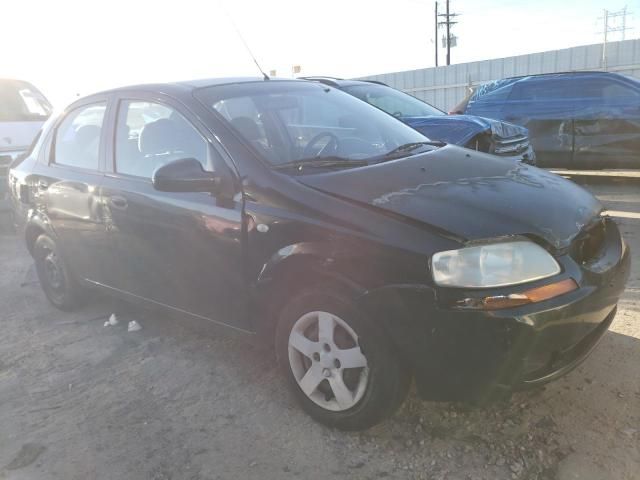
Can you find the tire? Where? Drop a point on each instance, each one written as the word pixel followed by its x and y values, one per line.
pixel 57 283
pixel 376 385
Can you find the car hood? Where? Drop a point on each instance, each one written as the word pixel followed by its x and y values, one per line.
pixel 460 129
pixel 468 194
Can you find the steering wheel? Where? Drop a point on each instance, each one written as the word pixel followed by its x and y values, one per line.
pixel 332 143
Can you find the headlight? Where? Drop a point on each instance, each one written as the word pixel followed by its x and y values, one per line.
pixel 493 265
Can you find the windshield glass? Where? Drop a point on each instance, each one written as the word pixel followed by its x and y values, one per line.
pixel 22 102
pixel 298 121
pixel 392 101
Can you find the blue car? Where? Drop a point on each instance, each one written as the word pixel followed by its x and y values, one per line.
pixel 482 134
pixel 579 120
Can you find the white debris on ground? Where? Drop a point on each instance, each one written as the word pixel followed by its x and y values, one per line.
pixel 134 326
pixel 112 322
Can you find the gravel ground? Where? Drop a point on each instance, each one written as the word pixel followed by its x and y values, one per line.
pixel 178 401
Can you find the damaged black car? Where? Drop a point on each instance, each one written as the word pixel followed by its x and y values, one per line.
pixel 292 212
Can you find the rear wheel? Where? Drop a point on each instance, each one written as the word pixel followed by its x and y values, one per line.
pixel 56 281
pixel 339 367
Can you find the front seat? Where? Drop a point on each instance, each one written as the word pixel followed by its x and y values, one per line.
pixel 156 137
pixel 157 145
pixel 248 128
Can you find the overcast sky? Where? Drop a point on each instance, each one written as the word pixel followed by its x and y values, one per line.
pixel 69 47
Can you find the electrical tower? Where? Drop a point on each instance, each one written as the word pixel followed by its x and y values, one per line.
pixel 613 22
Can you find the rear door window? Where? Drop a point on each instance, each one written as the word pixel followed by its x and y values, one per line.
pixel 77 140
pixel 150 135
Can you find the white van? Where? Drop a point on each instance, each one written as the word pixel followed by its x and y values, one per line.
pixel 23 110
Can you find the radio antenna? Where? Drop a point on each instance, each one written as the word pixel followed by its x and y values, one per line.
pixel 246 46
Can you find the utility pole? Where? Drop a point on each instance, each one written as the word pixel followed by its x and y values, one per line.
pixel 604 44
pixel 448 36
pixel 613 28
pixel 447 23
pixel 435 35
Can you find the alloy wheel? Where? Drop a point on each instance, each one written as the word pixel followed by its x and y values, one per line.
pixel 327 361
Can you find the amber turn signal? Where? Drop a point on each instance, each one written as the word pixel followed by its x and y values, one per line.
pixel 533 295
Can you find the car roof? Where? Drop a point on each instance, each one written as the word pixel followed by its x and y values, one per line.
pixel 189 85
pixel 340 82
pixel 582 73
pixel 489 88
pixel 181 88
pixel 14 81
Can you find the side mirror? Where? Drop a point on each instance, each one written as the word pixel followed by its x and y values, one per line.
pixel 185 175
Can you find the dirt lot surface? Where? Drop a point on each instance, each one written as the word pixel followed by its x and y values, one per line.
pixel 177 401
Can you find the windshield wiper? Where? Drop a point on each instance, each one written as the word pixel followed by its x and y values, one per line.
pixel 321 162
pixel 406 149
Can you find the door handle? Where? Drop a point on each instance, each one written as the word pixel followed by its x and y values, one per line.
pixel 42 185
pixel 118 202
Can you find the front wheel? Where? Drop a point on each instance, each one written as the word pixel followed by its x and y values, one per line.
pixel 340 368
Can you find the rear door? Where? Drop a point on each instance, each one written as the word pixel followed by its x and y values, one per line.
pixel 607 126
pixel 67 188
pixel 546 106
pixel 180 250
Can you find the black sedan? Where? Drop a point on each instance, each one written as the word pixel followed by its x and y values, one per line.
pixel 295 213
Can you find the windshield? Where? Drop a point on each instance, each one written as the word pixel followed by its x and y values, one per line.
pixel 298 121
pixel 392 101
pixel 22 102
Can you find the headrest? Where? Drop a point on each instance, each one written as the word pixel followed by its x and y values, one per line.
pixel 157 137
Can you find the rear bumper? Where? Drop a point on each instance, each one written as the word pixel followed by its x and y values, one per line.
pixel 459 354
pixel 6 158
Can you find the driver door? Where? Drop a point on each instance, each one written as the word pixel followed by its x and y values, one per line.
pixel 180 250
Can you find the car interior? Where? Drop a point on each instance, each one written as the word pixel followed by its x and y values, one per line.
pixel 140 153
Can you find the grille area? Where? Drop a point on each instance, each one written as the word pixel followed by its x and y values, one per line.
pixel 588 245
pixel 510 146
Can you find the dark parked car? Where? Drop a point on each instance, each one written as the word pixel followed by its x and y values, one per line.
pixel 477 133
pixel 365 253
pixel 576 120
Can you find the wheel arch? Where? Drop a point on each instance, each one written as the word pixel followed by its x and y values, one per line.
pixel 292 269
pixel 35 227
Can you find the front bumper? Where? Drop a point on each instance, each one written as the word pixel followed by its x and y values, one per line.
pixel 528 156
pixel 459 354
